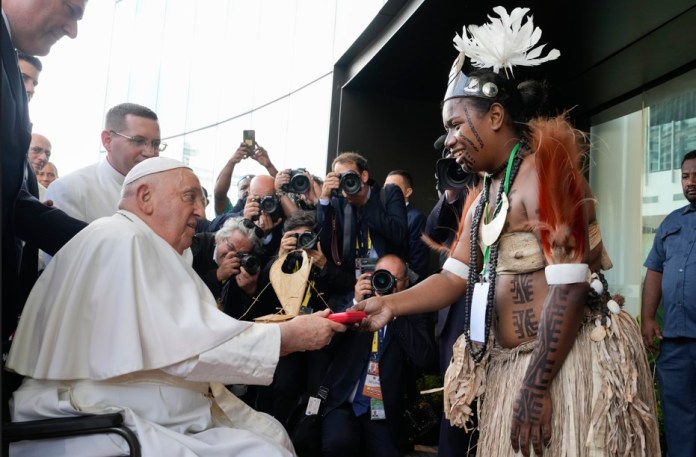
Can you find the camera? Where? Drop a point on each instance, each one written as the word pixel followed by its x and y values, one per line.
pixel 383 282
pixel 367 264
pixel 299 183
pixel 306 240
pixel 268 204
pixel 249 262
pixel 450 175
pixel 349 182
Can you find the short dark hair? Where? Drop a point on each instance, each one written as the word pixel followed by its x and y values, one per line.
pixel 408 179
pixel 300 219
pixel 31 59
pixel 352 157
pixel 116 116
pixel 688 156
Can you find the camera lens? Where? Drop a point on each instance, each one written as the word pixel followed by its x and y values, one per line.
pixel 250 263
pixel 350 182
pixel 306 240
pixel 383 282
pixel 299 183
pixel 268 204
pixel 451 175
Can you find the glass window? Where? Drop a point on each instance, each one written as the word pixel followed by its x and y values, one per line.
pixel 636 178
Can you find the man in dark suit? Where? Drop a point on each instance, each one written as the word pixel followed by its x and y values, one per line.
pixel 364 408
pixel 358 218
pixel 418 253
pixel 31 26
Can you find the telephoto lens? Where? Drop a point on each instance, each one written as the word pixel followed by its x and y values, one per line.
pixel 299 183
pixel 383 282
pixel 451 175
pixel 350 182
pixel 249 262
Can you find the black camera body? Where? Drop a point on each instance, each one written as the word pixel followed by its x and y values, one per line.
pixel 383 282
pixel 306 240
pixel 249 262
pixel 268 204
pixel 450 175
pixel 299 182
pixel 349 182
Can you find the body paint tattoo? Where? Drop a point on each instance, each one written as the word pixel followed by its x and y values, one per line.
pixel 522 288
pixel 471 126
pixel 524 323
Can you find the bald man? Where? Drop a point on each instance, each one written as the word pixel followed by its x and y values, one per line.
pixel 150 341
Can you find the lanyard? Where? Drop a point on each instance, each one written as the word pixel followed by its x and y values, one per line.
pixel 506 188
pixel 360 250
pixel 377 342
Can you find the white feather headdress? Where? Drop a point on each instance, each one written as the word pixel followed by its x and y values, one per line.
pixel 502 43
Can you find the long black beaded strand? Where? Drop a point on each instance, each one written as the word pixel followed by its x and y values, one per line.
pixel 477 354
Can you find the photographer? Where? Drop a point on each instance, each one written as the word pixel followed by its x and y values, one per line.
pixel 301 373
pixel 264 209
pixel 224 180
pixel 359 218
pixel 224 256
pixel 297 190
pixel 364 410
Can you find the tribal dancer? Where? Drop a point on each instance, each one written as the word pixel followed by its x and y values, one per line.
pixel 557 365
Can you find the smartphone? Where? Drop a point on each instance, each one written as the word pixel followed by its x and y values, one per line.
pixel 250 138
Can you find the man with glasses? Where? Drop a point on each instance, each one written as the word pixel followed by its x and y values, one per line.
pixel 131 134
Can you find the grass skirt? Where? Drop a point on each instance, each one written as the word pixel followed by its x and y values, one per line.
pixel 603 397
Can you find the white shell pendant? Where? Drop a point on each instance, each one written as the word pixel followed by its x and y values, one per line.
pixel 491 232
pixel 613 306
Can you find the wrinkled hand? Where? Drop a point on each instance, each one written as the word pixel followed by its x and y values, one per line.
pixel 281 179
pixel 378 312
pixel 650 330
pixel 531 421
pixel 331 182
pixel 261 156
pixel 228 267
pixel 287 244
pixel 267 224
pixel 308 332
pixel 317 256
pixel 363 286
pixel 242 152
pixel 247 282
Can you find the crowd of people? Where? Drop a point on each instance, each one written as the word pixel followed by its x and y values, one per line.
pixel 212 337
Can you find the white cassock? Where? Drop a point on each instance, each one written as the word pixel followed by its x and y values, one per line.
pixel 119 321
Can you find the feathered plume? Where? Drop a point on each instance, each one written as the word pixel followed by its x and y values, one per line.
pixel 504 42
pixel 562 186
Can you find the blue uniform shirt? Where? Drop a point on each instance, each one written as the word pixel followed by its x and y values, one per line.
pixel 673 254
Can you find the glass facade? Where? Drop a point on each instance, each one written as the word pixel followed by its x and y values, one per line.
pixel 635 173
pixel 215 68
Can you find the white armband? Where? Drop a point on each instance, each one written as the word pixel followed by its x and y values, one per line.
pixel 456 267
pixel 566 273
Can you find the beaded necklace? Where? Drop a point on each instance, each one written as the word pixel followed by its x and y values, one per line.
pixel 490 260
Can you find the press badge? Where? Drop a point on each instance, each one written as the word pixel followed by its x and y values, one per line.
pixel 372 387
pixel 477 321
pixel 312 406
pixel 377 410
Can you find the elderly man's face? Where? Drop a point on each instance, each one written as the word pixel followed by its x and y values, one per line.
pixel 124 147
pixel 36 25
pixel 47 174
pixel 177 200
pixel 39 152
pixel 237 243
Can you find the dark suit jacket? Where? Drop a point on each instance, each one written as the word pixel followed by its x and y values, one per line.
pixel 418 252
pixel 23 216
pixel 408 340
pixel 442 226
pixel 386 222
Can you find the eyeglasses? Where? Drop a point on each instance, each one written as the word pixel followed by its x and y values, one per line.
pixel 141 142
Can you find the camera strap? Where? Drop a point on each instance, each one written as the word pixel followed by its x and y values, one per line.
pixel 347 229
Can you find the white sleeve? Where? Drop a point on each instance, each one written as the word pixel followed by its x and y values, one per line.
pixel 250 357
pixel 66 198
